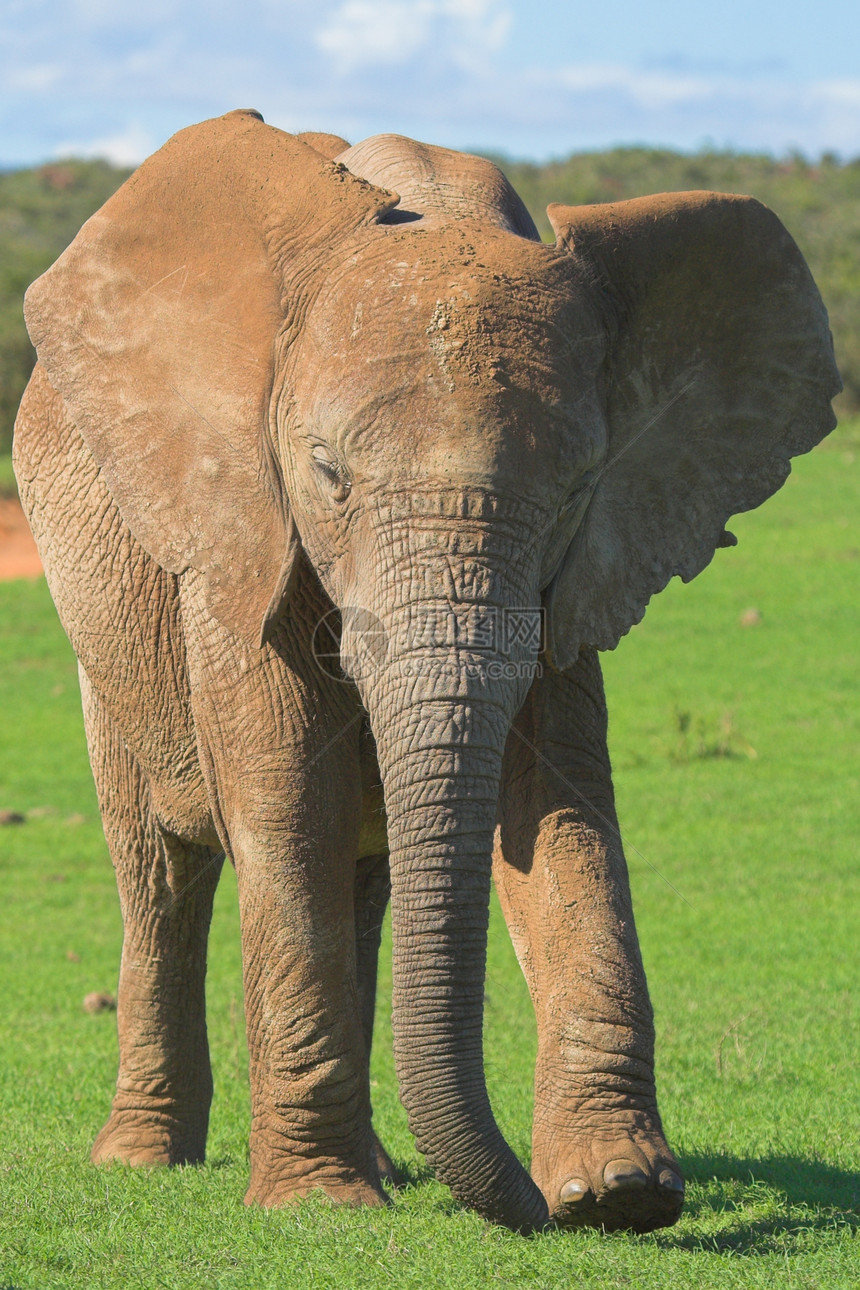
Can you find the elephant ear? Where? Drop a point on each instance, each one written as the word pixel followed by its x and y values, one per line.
pixel 720 369
pixel 158 328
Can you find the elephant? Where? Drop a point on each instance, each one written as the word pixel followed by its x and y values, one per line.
pixel 291 391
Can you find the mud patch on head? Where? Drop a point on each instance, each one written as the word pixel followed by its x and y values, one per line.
pixel 447 334
pixel 440 341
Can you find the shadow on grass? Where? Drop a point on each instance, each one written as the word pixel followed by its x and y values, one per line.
pixel 411 1174
pixel 755 1238
pixel 803 1182
pixel 817 1197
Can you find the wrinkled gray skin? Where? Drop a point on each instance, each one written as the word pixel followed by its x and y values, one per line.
pixel 265 390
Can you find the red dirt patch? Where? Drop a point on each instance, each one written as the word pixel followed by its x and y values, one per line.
pixel 18 555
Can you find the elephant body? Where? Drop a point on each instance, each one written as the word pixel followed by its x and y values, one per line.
pixel 273 403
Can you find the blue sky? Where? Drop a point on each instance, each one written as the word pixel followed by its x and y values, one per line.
pixel 116 77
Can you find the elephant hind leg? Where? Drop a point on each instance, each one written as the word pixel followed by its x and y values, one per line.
pixel 160 1109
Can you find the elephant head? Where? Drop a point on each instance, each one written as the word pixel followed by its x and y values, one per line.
pixel 272 356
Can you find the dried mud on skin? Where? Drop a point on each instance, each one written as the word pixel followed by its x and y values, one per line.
pixel 18 555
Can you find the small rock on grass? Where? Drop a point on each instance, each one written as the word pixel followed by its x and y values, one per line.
pixel 98 1002
pixel 11 817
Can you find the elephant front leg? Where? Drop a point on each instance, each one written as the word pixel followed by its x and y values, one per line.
pixel 310 1095
pixel 160 1109
pixel 281 757
pixel 599 1153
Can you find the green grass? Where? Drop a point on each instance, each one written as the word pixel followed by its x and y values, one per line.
pixel 736 750
pixel 8 486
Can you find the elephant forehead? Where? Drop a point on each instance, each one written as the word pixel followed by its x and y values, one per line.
pixel 421 320
pixel 448 376
pixel 463 358
pixel 400 286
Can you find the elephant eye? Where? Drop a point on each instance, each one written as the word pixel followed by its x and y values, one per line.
pixel 332 472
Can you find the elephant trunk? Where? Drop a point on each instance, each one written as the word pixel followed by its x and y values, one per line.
pixel 440 741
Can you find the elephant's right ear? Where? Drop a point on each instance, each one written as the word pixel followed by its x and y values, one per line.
pixel 158 326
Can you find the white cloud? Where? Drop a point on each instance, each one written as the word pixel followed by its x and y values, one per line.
pixel 362 33
pixel 112 76
pixel 35 79
pixel 596 105
pixel 128 148
pixel 844 92
pixel 650 89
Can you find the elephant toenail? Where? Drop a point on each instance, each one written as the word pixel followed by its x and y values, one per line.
pixel 573 1191
pixel 623 1173
pixel 670 1181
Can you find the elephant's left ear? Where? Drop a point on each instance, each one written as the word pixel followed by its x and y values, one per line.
pixel 720 370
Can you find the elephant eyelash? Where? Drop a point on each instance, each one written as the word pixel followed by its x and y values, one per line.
pixel 334 473
pixel 330 469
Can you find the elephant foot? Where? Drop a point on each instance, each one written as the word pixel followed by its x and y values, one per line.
pixel 280 1176
pixel 273 1192
pixel 614 1180
pixel 138 1137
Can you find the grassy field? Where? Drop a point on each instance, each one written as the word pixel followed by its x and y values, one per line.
pixel 736 741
